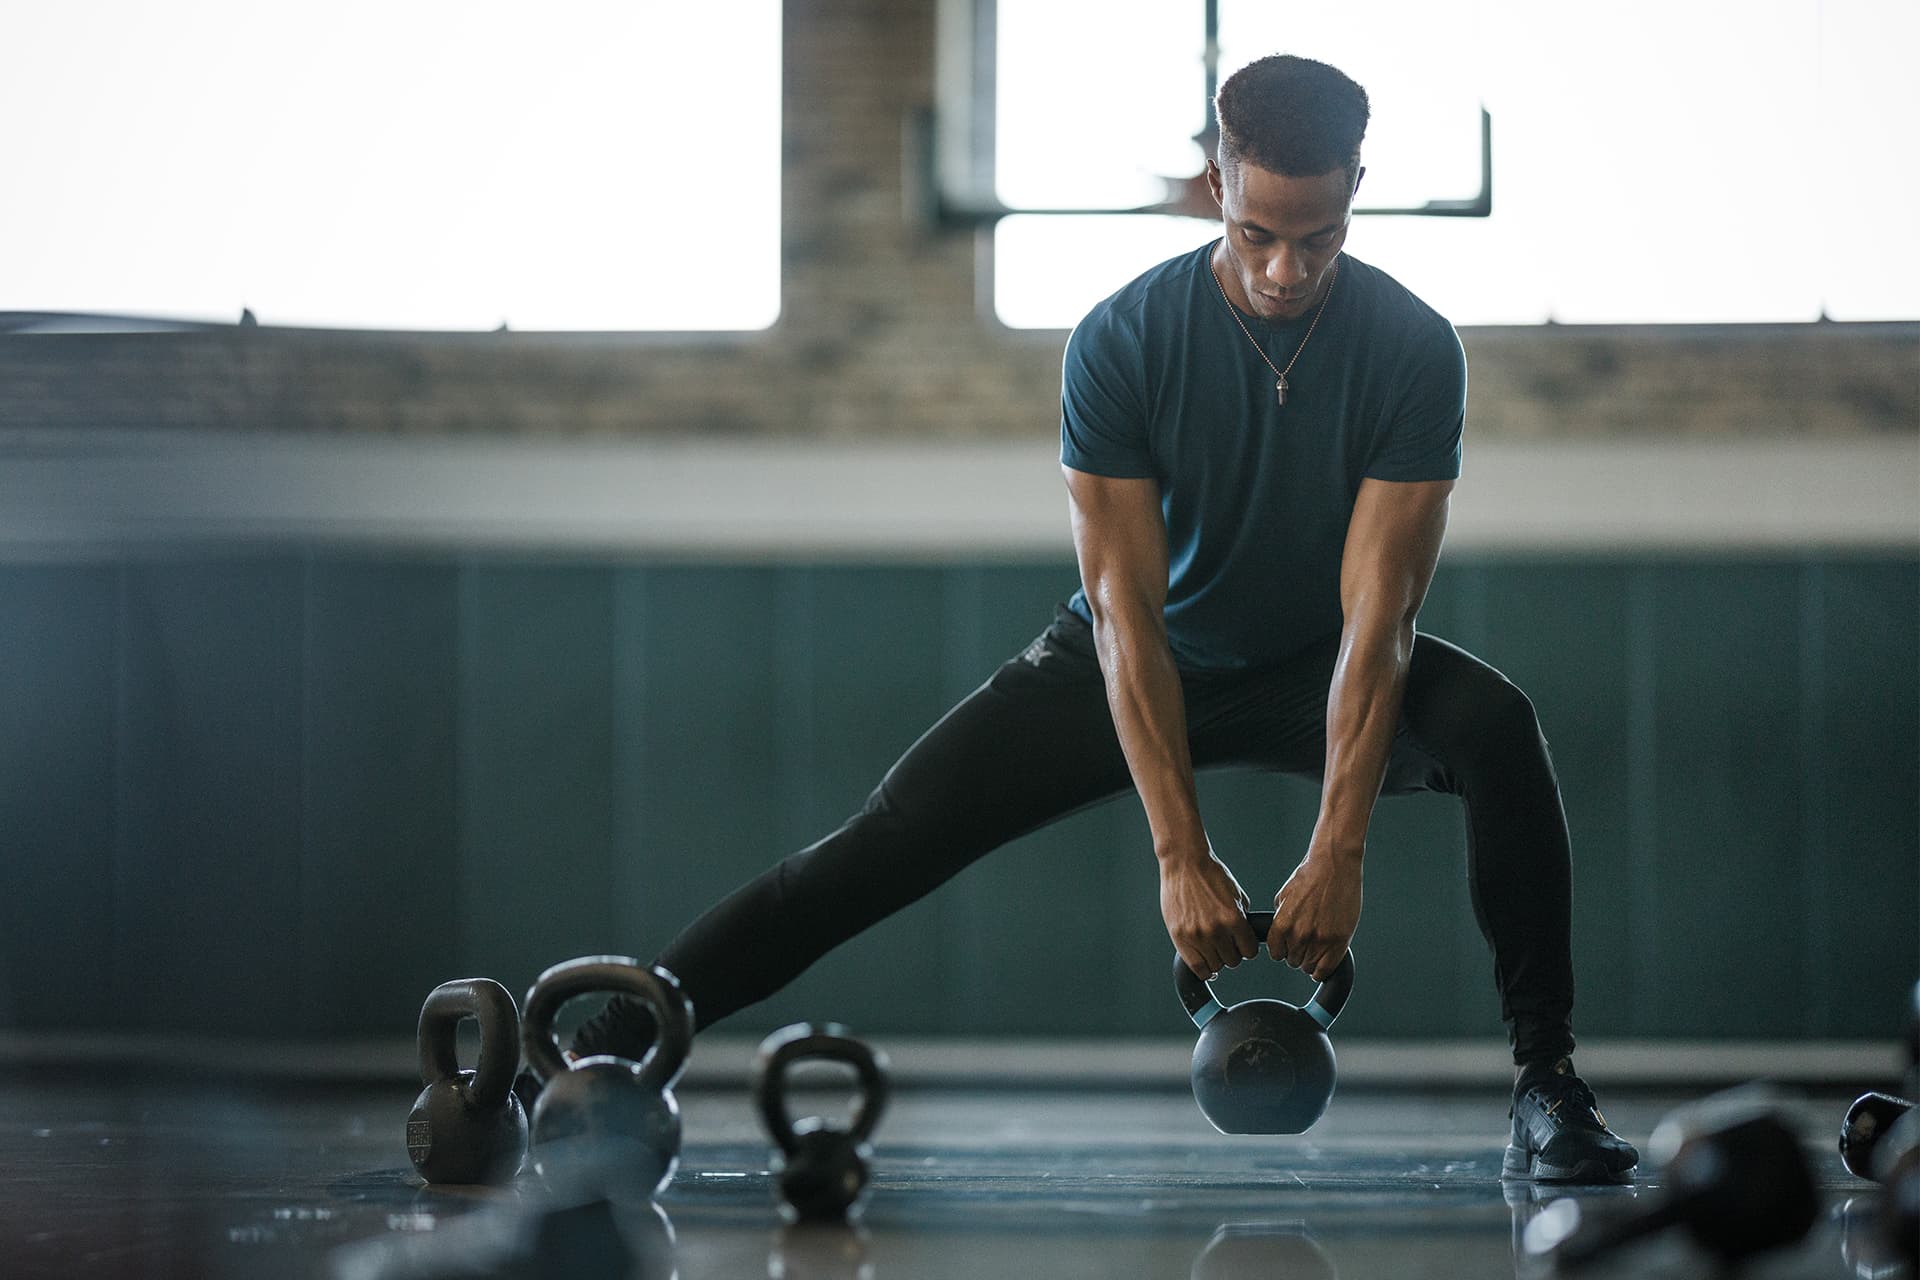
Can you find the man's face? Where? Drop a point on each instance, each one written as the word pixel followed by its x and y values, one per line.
pixel 1282 236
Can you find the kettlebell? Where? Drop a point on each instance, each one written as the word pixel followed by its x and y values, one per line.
pixel 1868 1122
pixel 1896 1166
pixel 1263 1066
pixel 466 1126
pixel 820 1169
pixel 607 1120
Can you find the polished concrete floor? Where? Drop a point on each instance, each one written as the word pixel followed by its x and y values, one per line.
pixel 158 1178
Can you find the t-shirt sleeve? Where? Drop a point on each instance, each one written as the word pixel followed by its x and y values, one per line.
pixel 1103 418
pixel 1426 414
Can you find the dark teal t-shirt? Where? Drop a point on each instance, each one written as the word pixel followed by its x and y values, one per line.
pixel 1160 382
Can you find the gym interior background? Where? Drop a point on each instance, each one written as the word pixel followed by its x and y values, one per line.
pixel 342 662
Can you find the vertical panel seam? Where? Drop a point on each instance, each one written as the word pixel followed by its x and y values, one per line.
pixel 795 640
pixel 117 924
pixel 1643 840
pixel 303 950
pixel 463 729
pixel 610 756
pixel 1817 1003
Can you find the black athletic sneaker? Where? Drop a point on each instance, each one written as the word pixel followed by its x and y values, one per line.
pixel 1559 1134
pixel 624 1027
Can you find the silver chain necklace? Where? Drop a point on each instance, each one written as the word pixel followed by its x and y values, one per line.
pixel 1279 374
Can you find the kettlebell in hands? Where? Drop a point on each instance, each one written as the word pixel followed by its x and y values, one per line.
pixel 1263 1066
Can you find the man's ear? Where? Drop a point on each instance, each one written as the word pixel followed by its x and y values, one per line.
pixel 1358 178
pixel 1216 183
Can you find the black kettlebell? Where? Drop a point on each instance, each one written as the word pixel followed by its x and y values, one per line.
pixel 820 1169
pixel 466 1126
pixel 1897 1163
pixel 1866 1126
pixel 1263 1066
pixel 606 1120
pixel 1896 1166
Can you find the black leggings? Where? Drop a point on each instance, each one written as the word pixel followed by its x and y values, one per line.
pixel 1036 742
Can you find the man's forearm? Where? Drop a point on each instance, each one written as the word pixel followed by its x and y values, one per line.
pixel 1363 708
pixel 1150 719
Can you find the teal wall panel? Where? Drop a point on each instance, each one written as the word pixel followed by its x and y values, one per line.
pixel 1861 719
pixel 1721 869
pixel 535 785
pixel 207 863
pixel 58 666
pixel 288 795
pixel 381 884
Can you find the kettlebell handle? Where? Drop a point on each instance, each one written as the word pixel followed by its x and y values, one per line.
pixel 1196 993
pixel 807 1042
pixel 489 1004
pixel 650 984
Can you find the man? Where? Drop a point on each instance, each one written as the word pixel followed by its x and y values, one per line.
pixel 1259 439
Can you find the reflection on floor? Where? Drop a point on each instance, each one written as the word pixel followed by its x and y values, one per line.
pixel 171 1180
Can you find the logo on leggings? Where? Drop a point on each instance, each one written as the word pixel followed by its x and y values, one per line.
pixel 1035 652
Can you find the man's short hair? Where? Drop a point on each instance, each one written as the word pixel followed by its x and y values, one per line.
pixel 1291 116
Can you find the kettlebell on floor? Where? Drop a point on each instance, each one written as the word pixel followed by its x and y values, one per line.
pixel 820 1168
pixel 606 1121
pixel 467 1126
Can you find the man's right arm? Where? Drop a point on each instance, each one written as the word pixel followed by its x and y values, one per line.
pixel 1121 541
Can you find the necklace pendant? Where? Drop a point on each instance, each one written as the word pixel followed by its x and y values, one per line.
pixel 1280 388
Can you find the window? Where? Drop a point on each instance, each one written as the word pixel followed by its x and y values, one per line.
pixel 579 165
pixel 1654 160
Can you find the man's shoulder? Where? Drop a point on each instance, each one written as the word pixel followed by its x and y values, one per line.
pixel 1156 293
pixel 1391 305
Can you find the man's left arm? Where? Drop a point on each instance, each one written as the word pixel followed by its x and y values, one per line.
pixel 1393 544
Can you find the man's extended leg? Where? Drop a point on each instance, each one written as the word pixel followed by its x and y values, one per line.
pixel 1032 744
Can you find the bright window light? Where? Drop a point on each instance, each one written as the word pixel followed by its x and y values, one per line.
pixel 577 165
pixel 1655 161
